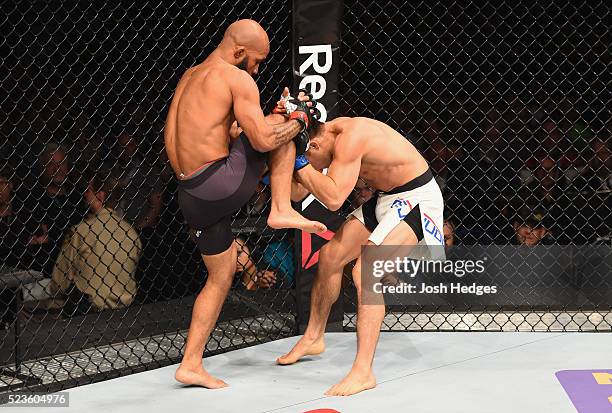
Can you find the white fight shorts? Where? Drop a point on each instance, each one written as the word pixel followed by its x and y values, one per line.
pixel 419 203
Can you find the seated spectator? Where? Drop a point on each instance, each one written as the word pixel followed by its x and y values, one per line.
pixel 53 204
pixel 141 203
pixel 251 278
pixel 601 165
pixel 166 268
pixel 449 233
pixel 89 149
pixel 545 187
pixel 530 227
pixel 360 195
pixel 96 265
pixel 10 227
pixel 276 266
pixel 258 204
pixel 278 257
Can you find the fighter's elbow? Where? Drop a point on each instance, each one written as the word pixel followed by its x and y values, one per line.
pixel 263 142
pixel 261 145
pixel 334 203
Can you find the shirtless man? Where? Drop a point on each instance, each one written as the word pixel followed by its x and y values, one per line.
pixel 219 164
pixel 354 148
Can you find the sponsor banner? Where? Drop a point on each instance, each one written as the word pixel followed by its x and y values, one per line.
pixel 316 51
pixel 492 275
pixel 316 63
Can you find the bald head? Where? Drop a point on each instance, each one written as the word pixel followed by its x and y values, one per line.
pixel 245 44
pixel 247 33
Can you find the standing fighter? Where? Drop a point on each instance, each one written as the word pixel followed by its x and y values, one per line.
pixel 406 209
pixel 219 167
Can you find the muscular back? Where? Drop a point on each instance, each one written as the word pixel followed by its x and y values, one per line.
pixel 388 159
pixel 198 124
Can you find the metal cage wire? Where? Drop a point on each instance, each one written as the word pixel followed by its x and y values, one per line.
pixel 509 102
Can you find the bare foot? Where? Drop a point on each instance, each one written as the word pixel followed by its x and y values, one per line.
pixel 304 347
pixel 353 383
pixel 198 378
pixel 292 219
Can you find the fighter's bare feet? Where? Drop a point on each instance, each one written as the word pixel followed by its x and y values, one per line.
pixel 304 347
pixel 292 219
pixel 198 377
pixel 353 383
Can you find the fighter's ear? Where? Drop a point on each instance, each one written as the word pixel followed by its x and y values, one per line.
pixel 239 52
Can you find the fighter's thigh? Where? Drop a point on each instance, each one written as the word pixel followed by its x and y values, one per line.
pixel 402 234
pixel 221 267
pixel 346 244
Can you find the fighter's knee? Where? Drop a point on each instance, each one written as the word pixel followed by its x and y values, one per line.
pixel 331 255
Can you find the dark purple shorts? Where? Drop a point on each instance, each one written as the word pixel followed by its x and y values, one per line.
pixel 210 197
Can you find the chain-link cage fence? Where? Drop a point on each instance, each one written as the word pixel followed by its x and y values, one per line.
pixel 510 104
pixel 94 286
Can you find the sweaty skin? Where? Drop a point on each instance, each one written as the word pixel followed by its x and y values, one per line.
pixel 209 99
pixel 351 148
pixel 355 148
pixel 214 94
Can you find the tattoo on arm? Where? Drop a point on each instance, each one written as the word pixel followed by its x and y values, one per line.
pixel 285 132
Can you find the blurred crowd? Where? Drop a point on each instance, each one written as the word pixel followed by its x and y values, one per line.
pixel 98 216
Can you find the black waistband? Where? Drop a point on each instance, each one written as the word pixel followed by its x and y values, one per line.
pixel 417 182
pixel 202 175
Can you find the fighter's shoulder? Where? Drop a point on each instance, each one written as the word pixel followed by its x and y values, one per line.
pixel 351 140
pixel 353 129
pixel 353 125
pixel 238 78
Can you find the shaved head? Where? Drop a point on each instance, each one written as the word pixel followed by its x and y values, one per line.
pixel 245 44
pixel 248 34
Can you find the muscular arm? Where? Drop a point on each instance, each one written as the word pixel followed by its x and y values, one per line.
pixel 333 189
pixel 273 119
pixel 298 192
pixel 263 136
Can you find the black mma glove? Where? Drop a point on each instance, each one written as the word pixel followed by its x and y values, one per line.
pixel 302 143
pixel 300 111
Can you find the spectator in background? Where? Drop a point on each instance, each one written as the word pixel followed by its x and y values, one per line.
pixel 278 256
pixel 360 195
pixel 553 141
pixel 142 200
pixel 257 205
pixel 167 264
pixel 544 185
pixel 171 219
pixel 548 180
pixel 11 230
pixel 250 277
pixel 96 265
pixel 53 204
pixel 449 233
pixel 601 166
pixel 530 227
pixel 277 266
pixel 88 146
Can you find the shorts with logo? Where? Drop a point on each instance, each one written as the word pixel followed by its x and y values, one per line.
pixel 419 203
pixel 210 196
